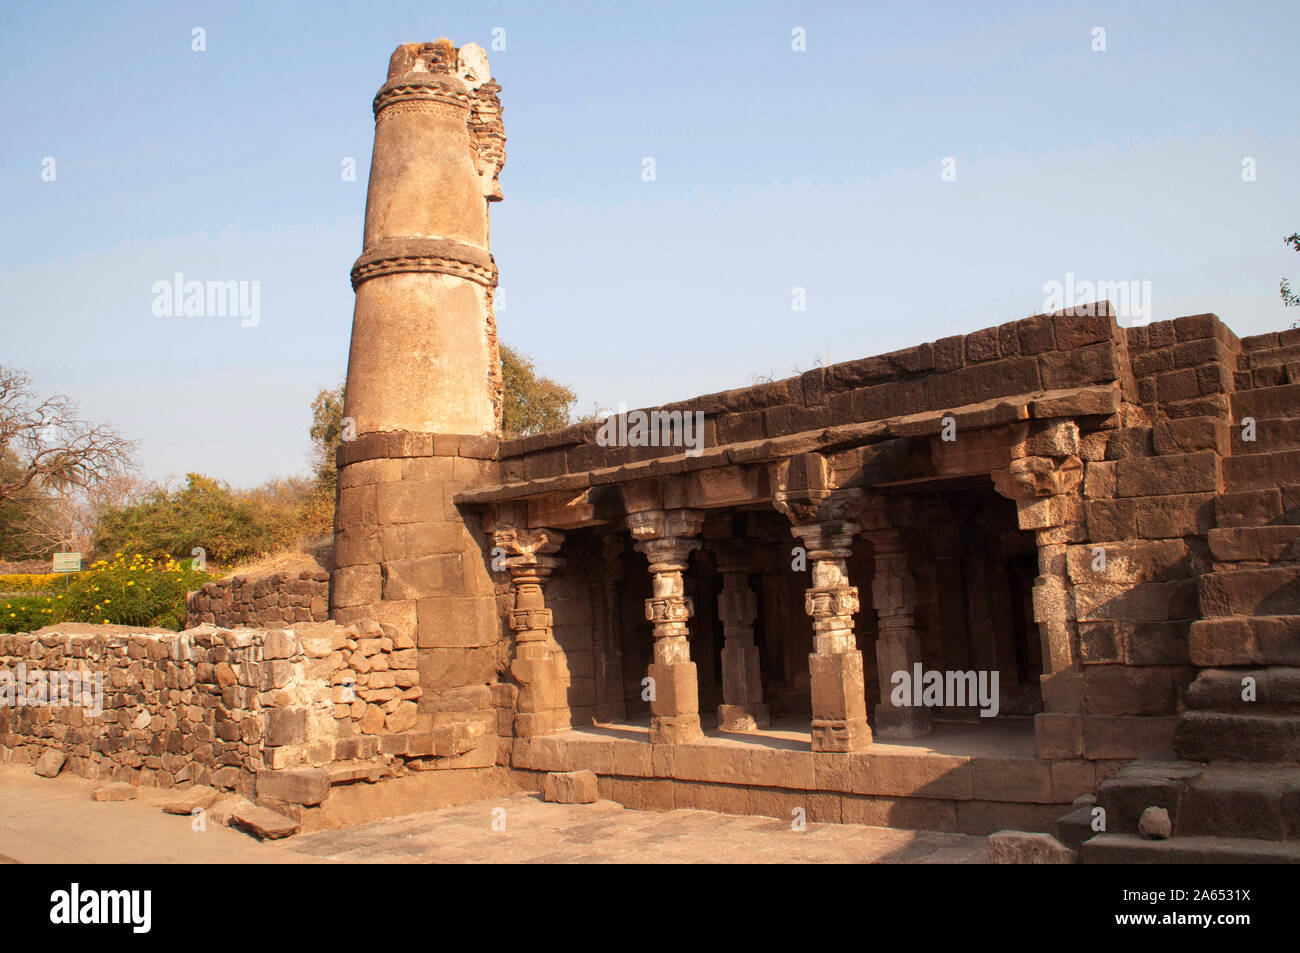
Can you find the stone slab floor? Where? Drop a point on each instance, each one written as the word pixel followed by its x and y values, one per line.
pixel 55 821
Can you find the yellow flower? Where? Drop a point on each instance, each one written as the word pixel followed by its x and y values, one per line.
pixel 131 583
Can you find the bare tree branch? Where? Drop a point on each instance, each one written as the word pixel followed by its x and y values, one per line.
pixel 52 448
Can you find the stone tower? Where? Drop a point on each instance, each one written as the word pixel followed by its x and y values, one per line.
pixel 423 400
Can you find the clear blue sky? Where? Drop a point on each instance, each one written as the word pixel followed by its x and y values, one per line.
pixel 775 169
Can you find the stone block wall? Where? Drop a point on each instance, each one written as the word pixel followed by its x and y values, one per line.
pixel 272 599
pixel 1185 367
pixel 1268 360
pixel 408 558
pixel 1041 353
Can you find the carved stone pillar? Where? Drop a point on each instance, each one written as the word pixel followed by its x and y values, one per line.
pixel 742 707
pixel 542 704
pixel 665 539
pixel 839 704
pixel 898 648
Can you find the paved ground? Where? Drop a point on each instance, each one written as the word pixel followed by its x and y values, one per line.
pixel 55 821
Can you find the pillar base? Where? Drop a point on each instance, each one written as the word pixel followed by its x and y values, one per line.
pixel 839 704
pixel 841 734
pixel 529 724
pixel 675 729
pixel 743 717
pixel 675 707
pixel 894 722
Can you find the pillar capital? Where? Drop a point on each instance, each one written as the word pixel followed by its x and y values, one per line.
pixel 663 524
pixel 827 539
pixel 529 550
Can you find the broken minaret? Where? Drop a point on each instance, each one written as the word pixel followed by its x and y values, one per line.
pixel 423 400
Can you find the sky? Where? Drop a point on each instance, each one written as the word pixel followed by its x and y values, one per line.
pixel 915 170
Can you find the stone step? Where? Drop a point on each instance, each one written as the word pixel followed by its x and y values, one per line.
pixel 1233 799
pixel 1260 471
pixel 1156 781
pixel 1271 591
pixel 1261 802
pixel 1270 340
pixel 1132 849
pixel 1273 690
pixel 1272 544
pixel 1268 357
pixel 1076 827
pixel 1245 640
pixel 1266 402
pixel 1269 436
pixel 1232 736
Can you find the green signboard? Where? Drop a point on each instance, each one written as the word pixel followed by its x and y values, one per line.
pixel 67 562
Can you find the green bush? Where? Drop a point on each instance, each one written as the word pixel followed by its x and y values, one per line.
pixel 230 526
pixel 132 591
pixel 29 613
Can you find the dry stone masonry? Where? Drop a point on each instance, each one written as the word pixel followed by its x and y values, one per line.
pixel 259 601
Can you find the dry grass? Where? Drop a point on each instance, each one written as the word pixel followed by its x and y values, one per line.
pixel 311 554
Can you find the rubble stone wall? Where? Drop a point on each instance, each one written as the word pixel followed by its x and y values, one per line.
pixel 271 599
pixel 273 714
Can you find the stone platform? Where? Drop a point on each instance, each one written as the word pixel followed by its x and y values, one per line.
pixel 966 778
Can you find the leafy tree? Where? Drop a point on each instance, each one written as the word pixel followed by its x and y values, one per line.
pixel 531 403
pixel 326 430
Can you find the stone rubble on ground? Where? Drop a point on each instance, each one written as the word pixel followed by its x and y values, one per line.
pixel 117 791
pixel 1155 824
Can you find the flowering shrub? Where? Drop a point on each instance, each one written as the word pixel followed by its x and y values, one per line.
pixel 29 613
pixel 31 600
pixel 132 591
pixel 33 582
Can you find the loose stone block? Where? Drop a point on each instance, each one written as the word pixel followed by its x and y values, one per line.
pixel 51 762
pixel 118 791
pixel 570 787
pixel 263 823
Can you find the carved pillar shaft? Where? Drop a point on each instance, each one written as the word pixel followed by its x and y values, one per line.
pixel 742 707
pixel 898 648
pixel 839 705
pixel 542 703
pixel 664 538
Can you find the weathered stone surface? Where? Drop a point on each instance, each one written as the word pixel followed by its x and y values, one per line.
pixel 570 787
pixel 50 763
pixel 187 801
pixel 263 823
pixel 1021 847
pixel 118 791
pixel 302 786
